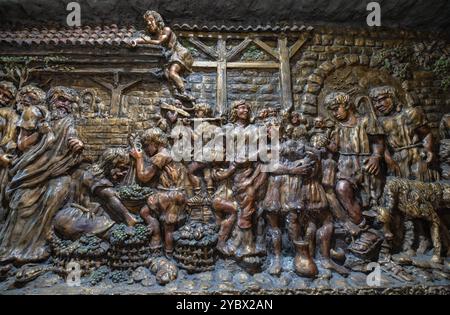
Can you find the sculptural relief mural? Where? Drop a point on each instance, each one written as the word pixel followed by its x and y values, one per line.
pixel 100 165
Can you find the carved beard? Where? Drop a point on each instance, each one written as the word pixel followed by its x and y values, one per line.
pixel 59 113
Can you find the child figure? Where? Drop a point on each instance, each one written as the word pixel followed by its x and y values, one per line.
pixel 203 137
pixel 167 205
pixel 296 120
pixel 179 58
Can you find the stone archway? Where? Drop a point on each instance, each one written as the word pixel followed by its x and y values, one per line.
pixel 314 83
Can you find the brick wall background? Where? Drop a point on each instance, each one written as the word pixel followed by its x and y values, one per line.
pixel 314 68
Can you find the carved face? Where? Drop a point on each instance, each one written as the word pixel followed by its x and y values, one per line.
pixel 62 102
pixel 151 148
pixel 384 105
pixel 28 99
pixel 5 97
pixel 120 171
pixel 295 119
pixel 200 113
pixel 319 122
pixel 340 112
pixel 243 112
pixel 152 26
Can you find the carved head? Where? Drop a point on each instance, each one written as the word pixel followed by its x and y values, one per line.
pixel 30 95
pixel 34 119
pixel 319 122
pixel 61 100
pixel 203 110
pixel 338 105
pixel 114 164
pixel 154 21
pixel 384 99
pixel 152 139
pixel 240 111
pixel 7 93
pixel 297 118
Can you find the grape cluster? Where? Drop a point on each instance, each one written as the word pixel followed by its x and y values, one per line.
pixel 98 275
pixel 118 276
pixel 60 246
pixel 134 192
pixel 91 246
pixel 122 235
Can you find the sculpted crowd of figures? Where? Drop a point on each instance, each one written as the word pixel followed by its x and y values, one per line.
pixel 367 170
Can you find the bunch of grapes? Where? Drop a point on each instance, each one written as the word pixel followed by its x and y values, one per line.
pixel 91 245
pixel 98 275
pixel 119 276
pixel 124 235
pixel 134 192
pixel 141 234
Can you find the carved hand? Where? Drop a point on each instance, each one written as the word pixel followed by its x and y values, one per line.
pixel 75 145
pixel 373 165
pixel 5 160
pixel 303 170
pixel 137 154
pixel 430 157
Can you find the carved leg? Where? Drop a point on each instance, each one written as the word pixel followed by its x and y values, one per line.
pixel 174 76
pixel 293 225
pixel 408 240
pixel 223 207
pixel 168 239
pixel 325 234
pixel 310 237
pixel 153 224
pixel 347 198
pixel 436 237
pixel 275 234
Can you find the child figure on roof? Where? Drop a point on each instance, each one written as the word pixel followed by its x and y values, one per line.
pixel 179 58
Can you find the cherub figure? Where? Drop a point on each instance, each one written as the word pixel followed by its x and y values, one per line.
pixel 179 58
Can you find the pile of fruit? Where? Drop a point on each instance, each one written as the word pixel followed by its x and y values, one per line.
pixel 129 246
pixel 89 251
pixel 194 246
pixel 134 192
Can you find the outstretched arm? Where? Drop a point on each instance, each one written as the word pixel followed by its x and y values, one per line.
pixel 114 206
pixel 143 174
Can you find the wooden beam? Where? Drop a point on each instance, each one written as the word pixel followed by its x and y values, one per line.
pixel 267 48
pixel 239 64
pixel 221 86
pixel 297 45
pixel 238 48
pixel 203 47
pixel 285 73
pixel 204 64
pixel 254 65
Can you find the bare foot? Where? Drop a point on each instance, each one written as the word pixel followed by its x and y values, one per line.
pixel 331 265
pixel 275 266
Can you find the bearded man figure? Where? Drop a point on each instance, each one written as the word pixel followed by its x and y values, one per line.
pixel 40 176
